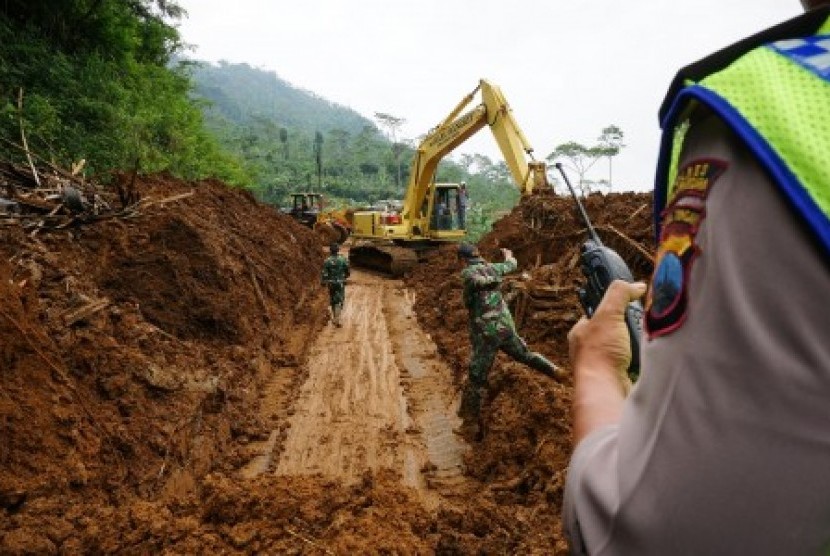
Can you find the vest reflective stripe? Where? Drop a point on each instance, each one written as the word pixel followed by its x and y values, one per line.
pixel 780 106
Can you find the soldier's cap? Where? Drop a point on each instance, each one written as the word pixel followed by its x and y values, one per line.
pixel 334 248
pixel 467 251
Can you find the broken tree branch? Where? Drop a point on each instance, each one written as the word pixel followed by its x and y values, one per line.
pixel 85 312
pixel 636 245
pixel 150 202
pixel 309 541
pixel 638 211
pixel 23 135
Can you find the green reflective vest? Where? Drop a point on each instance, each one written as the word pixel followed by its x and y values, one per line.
pixel 773 90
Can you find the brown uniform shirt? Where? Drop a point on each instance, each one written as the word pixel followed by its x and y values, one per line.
pixel 724 443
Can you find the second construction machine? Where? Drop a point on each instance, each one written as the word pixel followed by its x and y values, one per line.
pixel 391 241
pixel 331 224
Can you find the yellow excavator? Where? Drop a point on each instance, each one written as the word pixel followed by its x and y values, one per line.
pixel 391 241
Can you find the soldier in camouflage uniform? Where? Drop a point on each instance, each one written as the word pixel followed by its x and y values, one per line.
pixel 335 272
pixel 491 329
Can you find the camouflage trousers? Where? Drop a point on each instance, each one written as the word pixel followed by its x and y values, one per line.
pixel 337 294
pixel 485 348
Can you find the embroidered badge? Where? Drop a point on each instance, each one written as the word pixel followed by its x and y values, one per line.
pixel 667 299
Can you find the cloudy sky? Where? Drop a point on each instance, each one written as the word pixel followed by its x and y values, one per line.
pixel 568 68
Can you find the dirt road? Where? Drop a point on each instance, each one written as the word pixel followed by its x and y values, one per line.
pixel 377 397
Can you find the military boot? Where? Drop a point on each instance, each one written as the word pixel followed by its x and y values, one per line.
pixel 541 364
pixel 470 412
pixel 337 310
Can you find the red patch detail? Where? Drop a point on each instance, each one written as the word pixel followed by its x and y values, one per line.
pixel 667 299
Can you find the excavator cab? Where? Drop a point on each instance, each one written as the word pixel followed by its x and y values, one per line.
pixel 305 207
pixel 408 237
pixel 447 211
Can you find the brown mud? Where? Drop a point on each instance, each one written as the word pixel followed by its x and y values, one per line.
pixel 170 384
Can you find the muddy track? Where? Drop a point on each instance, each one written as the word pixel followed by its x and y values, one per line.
pixel 377 397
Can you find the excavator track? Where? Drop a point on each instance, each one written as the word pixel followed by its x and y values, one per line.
pixel 388 259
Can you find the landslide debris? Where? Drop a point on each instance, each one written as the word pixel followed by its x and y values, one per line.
pixel 132 349
pixel 523 458
pixel 135 344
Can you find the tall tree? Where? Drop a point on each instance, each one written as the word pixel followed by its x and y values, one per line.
pixel 581 158
pixel 318 158
pixel 89 67
pixel 611 141
pixel 578 158
pixel 284 141
pixel 393 123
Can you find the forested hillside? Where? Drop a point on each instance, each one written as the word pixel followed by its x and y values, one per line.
pixel 291 139
pixel 101 86
pixel 243 95
pixel 90 81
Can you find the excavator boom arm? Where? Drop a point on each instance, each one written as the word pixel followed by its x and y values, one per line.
pixel 514 146
pixel 456 128
pixel 429 211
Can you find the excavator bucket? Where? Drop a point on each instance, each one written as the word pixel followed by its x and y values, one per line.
pixel 342 232
pixel 327 232
pixel 331 232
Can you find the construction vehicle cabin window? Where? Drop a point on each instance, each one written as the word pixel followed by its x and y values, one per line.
pixel 443 211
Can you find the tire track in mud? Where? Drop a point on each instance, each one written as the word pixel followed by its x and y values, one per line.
pixel 377 397
pixel 430 393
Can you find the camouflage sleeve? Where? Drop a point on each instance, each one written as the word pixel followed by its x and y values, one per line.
pixel 346 269
pixel 324 275
pixel 489 274
pixel 479 277
pixel 506 267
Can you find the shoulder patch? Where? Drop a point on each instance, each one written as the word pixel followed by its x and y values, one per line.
pixel 667 299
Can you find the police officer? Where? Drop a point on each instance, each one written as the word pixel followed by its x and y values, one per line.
pixel 722 446
pixel 491 329
pixel 335 272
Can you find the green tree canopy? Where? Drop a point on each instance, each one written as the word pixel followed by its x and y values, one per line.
pixel 611 143
pixel 95 85
pixel 580 158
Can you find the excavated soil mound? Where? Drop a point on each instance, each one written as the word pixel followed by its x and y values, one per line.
pixel 145 356
pixel 523 457
pixel 131 355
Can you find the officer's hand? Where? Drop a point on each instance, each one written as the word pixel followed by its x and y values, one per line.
pixel 601 343
pixel 508 254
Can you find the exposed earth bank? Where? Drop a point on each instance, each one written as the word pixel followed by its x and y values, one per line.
pixel 169 383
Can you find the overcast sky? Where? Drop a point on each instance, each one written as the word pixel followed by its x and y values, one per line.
pixel 568 68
